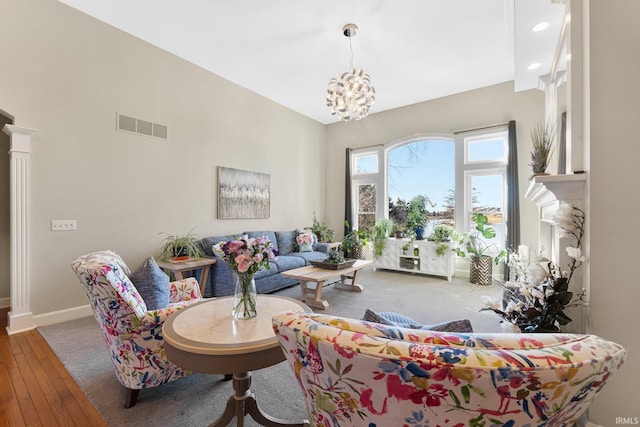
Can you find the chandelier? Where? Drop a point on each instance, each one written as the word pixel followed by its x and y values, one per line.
pixel 350 94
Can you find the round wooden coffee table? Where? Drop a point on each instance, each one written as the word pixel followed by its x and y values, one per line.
pixel 205 338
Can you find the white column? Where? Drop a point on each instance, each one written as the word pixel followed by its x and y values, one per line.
pixel 20 317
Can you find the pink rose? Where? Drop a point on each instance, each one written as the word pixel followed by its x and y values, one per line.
pixel 243 261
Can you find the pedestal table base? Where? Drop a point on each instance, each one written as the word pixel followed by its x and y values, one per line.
pixel 243 402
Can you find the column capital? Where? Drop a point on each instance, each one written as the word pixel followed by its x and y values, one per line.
pixel 20 138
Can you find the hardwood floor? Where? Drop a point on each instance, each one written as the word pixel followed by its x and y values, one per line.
pixel 35 388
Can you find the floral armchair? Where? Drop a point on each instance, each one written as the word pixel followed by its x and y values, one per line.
pixel 133 334
pixel 357 373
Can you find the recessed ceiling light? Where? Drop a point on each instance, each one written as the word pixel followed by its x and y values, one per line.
pixel 540 26
pixel 534 66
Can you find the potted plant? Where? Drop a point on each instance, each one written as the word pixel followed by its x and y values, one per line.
pixel 417 216
pixel 353 243
pixel 475 246
pixel 442 234
pixel 180 247
pixel 398 231
pixel 324 233
pixel 542 140
pixel 379 234
pixel 405 249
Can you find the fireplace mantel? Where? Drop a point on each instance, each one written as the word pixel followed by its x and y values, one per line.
pixel 546 189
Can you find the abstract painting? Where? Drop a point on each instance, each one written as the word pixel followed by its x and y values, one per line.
pixel 243 194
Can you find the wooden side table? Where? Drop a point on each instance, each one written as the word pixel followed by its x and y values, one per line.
pixel 179 267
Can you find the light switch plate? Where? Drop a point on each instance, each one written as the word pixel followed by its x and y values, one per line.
pixel 63 225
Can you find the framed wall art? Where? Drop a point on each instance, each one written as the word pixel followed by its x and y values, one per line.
pixel 243 194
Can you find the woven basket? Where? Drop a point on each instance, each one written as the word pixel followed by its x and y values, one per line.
pixel 481 269
pixel 358 252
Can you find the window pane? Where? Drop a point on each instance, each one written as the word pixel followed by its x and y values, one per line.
pixel 366 221
pixel 367 164
pixel 427 168
pixel 487 197
pixel 486 150
pixel 366 206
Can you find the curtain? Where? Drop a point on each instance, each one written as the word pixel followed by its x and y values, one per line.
pixel 562 152
pixel 513 196
pixel 348 214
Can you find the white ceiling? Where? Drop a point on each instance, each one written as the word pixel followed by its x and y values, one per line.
pixel 287 50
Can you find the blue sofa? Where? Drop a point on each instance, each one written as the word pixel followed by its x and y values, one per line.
pixel 221 279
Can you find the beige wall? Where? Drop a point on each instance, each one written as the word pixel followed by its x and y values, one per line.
pixel 613 152
pixel 474 109
pixel 66 75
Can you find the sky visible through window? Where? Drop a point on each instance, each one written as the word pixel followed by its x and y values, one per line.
pixel 428 167
pixel 422 167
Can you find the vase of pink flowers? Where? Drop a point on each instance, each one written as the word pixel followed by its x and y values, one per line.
pixel 246 256
pixel 305 240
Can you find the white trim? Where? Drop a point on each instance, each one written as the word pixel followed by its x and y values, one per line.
pixel 480 136
pixel 63 315
pixel 5 302
pixel 19 322
pixel 20 317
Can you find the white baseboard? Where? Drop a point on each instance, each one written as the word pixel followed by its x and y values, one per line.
pixel 5 302
pixel 63 315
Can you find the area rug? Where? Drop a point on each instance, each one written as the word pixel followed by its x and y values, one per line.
pixel 197 400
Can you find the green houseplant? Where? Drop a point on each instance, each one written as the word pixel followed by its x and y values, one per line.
pixel 324 233
pixel 442 234
pixel 474 244
pixel 353 243
pixel 398 230
pixel 179 247
pixel 379 233
pixel 417 216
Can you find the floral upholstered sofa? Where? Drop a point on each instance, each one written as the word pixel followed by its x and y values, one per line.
pixel 221 279
pixel 357 373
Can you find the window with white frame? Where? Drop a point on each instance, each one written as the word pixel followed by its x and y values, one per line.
pixel 366 182
pixel 484 170
pixel 478 169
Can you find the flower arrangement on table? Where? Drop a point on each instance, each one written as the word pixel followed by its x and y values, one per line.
pixel 539 291
pixel 246 256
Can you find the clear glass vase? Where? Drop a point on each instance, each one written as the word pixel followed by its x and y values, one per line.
pixel 245 297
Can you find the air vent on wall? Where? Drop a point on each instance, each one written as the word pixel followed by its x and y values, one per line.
pixel 139 126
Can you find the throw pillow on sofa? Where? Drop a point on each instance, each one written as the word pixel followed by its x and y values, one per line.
pixel 152 284
pixel 396 319
pixel 286 241
pixel 296 246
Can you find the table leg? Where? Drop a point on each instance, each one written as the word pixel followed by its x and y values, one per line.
pixel 353 286
pixel 244 402
pixel 313 296
pixel 203 279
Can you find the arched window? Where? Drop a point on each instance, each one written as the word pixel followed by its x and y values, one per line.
pixel 422 168
pixel 455 174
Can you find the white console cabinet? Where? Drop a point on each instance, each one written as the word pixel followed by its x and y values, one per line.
pixel 420 258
